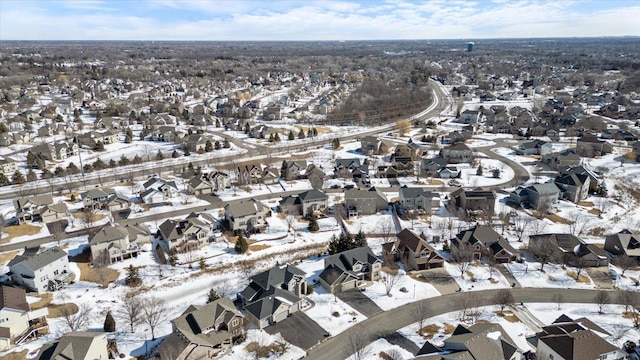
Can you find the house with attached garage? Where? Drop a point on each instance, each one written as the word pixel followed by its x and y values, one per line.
pixel 190 233
pixel 8 166
pixel 480 341
pixel 624 242
pixel 539 196
pixel 293 169
pixel 113 242
pixel 29 209
pixel 535 147
pixel 575 251
pixel 203 331
pixel 350 269
pixel 273 295
pixel 579 339
pixel 208 183
pixel 305 203
pixel 91 138
pixel 364 202
pixel 351 168
pixel 156 190
pixel 414 251
pixel 594 180
pixel 457 153
pixel 575 187
pixel 97 198
pixel 246 214
pixel 561 160
pixel 78 345
pixel 484 241
pixel 17 321
pixel 41 271
pixel 590 146
pixel 474 201
pixel 417 198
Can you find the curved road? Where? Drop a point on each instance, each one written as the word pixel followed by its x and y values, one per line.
pixel 387 322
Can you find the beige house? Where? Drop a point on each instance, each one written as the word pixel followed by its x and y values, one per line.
pixel 246 214
pixel 8 166
pixel 114 242
pixel 191 233
pixel 28 209
pixel 77 345
pixel 350 269
pixel 17 321
pixel 364 202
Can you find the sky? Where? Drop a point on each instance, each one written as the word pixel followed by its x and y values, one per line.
pixel 234 20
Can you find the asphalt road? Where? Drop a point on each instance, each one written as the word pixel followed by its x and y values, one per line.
pixel 388 322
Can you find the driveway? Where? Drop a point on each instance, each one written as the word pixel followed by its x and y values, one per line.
pixel 440 279
pixel 299 330
pixel 601 276
pixel 360 302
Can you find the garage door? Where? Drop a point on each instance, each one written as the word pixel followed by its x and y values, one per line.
pixel 280 316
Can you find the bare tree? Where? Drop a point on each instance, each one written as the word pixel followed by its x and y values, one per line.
pixel 492 262
pixel 469 305
pixel 130 309
pixel 503 299
pixel 462 254
pixel 388 230
pixel 290 219
pixel 558 299
pixel 421 312
pixel 579 262
pixel 56 229
pixel 538 227
pixel 629 299
pixel 577 223
pixel 544 251
pixel 390 280
pixel 357 345
pixel 101 267
pixel 522 223
pixel 75 319
pixel 89 213
pixel 624 262
pixel 154 312
pixel 602 298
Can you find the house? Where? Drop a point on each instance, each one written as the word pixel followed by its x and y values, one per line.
pixel 208 183
pixel 457 153
pixel 29 209
pixel 189 233
pixel 474 201
pixel 197 143
pixel 484 240
pixel 274 294
pixel 480 341
pixel 364 202
pixel 471 116
pixel 8 166
pixel 351 168
pixel 432 167
pixel 77 345
pixel 350 269
pixel 595 181
pixel 293 169
pixel 164 133
pixel 97 198
pixel 41 271
pixel 568 339
pixel 270 175
pixel 91 138
pixel 52 212
pixel 535 147
pixel 371 145
pixel 57 151
pixel 590 146
pixel 575 187
pixel 202 331
pixel 19 322
pixel 573 248
pixel 112 242
pixel 414 251
pixel 305 204
pixel 624 242
pixel 416 198
pixel 448 172
pixel 247 215
pixel 156 190
pixel 248 174
pixel 538 196
pixel 562 159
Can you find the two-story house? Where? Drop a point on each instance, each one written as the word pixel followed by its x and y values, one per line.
pixel 414 251
pixel 190 233
pixel 202 331
pixel 485 240
pixel 574 249
pixel 8 166
pixel 28 209
pixel 156 190
pixel 350 269
pixel 112 242
pixel 17 321
pixel 457 153
pixel 246 214
pixel 623 242
pixel 539 196
pixel 77 345
pixel 575 187
pixel 40 271
pixel 273 295
pixel 535 147
pixel 305 203
pixel 417 198
pixel 293 169
pixel 97 198
pixel 474 201
pixel 364 202
pixel 208 183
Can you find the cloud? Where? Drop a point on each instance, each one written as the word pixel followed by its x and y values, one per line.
pixel 309 20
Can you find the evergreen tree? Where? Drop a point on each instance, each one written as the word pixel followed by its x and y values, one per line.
pixel 479 172
pixel 208 146
pixel 313 224
pixel 202 264
pixel 112 163
pixel 315 132
pixel 247 129
pixel 226 144
pixel 3 179
pixel 159 155
pixel 309 133
pixel 60 171
pixel 212 296
pixel 339 244
pixel 276 137
pixel 271 138
pixel 137 159
pixel 124 160
pixel 128 139
pixel 99 146
pixel 87 168
pixel 133 278
pixel 291 136
pixel 175 154
pixel 241 245
pixel 31 175
pixel 186 151
pixel 217 145
pixel 46 174
pixel 72 169
pixel 109 323
pixel 335 143
pixel 360 240
pixel 3 128
pixel 301 134
pixel 99 164
pixel 173 257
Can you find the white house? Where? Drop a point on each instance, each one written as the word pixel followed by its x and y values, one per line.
pixel 115 240
pixel 157 190
pixel 41 271
pixel 17 321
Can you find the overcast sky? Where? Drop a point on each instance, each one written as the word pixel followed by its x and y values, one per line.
pixel 313 20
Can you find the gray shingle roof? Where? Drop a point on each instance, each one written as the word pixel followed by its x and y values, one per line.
pixel 39 260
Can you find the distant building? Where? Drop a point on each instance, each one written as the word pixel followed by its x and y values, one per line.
pixel 470 46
